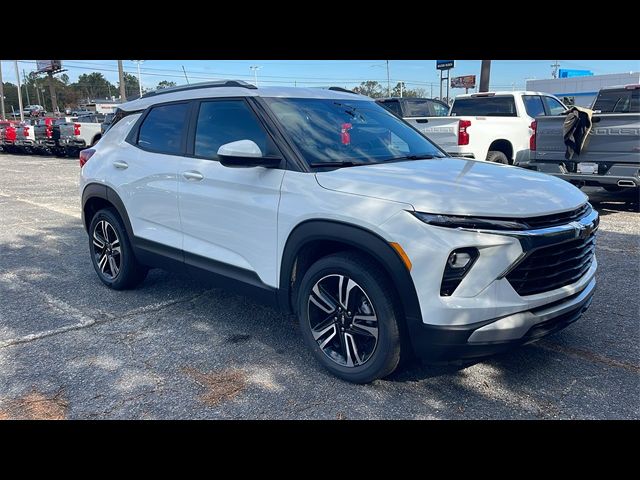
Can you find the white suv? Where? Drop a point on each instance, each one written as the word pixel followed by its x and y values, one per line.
pixel 327 205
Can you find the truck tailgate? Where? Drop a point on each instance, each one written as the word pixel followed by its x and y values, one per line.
pixel 443 131
pixel 614 138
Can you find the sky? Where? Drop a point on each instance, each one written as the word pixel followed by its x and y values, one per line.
pixel 505 74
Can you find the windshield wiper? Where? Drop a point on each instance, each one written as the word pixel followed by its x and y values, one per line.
pixel 423 156
pixel 338 164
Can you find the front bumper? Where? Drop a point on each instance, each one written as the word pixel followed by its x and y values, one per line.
pixel 485 314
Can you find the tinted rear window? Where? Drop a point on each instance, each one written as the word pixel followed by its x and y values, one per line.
pixel 162 128
pixel 484 107
pixel 618 101
pixel 418 108
pixel 393 106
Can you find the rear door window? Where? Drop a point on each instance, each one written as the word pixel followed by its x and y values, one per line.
pixel 163 128
pixel 502 106
pixel 554 107
pixel 533 105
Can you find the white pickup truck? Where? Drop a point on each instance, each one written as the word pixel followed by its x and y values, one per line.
pixel 494 126
pixel 79 134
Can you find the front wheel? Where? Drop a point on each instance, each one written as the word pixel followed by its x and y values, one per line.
pixel 348 319
pixel 111 252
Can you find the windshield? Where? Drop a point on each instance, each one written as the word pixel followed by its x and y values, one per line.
pixel 330 131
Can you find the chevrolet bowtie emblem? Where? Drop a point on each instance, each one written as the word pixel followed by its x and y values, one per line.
pixel 582 230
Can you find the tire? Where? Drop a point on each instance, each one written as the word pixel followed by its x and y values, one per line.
pixel 122 270
pixel 370 295
pixel 497 157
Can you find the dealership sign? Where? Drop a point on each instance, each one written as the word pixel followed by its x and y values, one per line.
pixel 444 64
pixel 466 81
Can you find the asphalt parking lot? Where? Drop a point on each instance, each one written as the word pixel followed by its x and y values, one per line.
pixel 71 348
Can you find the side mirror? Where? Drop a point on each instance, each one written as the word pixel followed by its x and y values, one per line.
pixel 244 154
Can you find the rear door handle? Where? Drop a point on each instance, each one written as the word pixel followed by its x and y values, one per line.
pixel 193 175
pixel 120 165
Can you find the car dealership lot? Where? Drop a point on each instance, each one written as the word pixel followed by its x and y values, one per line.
pixel 173 348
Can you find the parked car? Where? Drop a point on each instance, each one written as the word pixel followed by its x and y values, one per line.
pixel 492 126
pixel 415 108
pixel 33 111
pixel 323 203
pixel 610 157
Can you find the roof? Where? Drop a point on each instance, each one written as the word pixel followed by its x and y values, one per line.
pixel 503 92
pixel 219 89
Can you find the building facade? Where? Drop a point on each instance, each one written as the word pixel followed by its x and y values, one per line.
pixel 581 90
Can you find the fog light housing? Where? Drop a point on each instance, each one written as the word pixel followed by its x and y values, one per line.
pixel 458 265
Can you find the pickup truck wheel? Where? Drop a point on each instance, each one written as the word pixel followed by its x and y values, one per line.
pixel 497 157
pixel 111 252
pixel 348 319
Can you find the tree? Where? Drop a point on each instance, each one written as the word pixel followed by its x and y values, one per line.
pixel 406 92
pixel 10 98
pixel 370 88
pixel 93 85
pixel 131 85
pixel 166 84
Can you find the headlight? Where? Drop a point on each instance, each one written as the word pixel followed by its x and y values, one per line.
pixel 454 221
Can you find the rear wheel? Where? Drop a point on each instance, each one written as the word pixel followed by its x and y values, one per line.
pixel 111 252
pixel 497 157
pixel 348 319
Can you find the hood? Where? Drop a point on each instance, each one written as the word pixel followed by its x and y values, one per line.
pixel 458 187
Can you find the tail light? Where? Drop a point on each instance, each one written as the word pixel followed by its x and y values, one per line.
pixel 25 131
pixel 76 129
pixel 532 138
pixel 463 135
pixel 49 131
pixel 85 155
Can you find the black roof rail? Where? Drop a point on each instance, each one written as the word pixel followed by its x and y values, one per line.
pixel 340 89
pixel 196 86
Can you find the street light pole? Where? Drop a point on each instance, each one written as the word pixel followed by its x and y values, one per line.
pixel 255 69
pixel 388 81
pixel 138 62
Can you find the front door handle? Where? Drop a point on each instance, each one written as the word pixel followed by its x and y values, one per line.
pixel 193 175
pixel 120 165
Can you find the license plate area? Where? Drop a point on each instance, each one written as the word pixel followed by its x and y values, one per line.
pixel 588 168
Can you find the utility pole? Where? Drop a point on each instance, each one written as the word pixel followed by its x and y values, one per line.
pixel 26 87
pixel 485 74
pixel 185 75
pixel 15 63
pixel 38 95
pixel 388 81
pixel 52 92
pixel 2 93
pixel 401 85
pixel 123 90
pixel 555 65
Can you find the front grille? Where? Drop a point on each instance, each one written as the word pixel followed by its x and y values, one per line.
pixel 556 219
pixel 553 267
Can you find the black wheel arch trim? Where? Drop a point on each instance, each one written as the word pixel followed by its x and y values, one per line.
pixel 361 238
pixel 104 192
